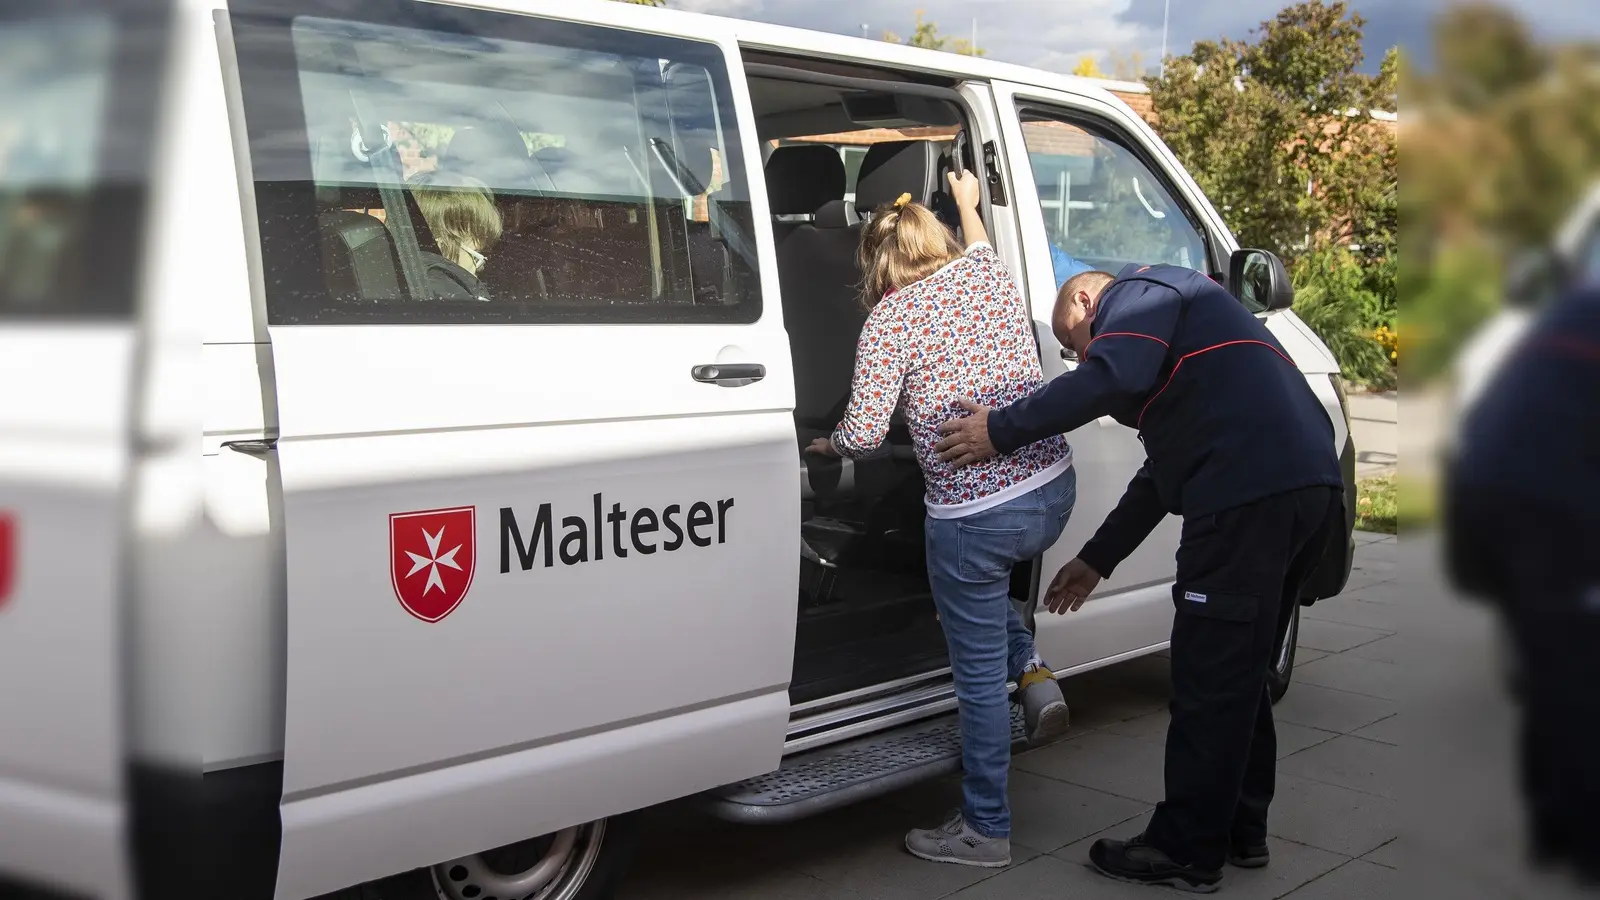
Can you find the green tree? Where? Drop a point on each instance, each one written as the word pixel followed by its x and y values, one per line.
pixel 926 35
pixel 1276 128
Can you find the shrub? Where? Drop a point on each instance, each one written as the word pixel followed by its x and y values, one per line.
pixel 1333 298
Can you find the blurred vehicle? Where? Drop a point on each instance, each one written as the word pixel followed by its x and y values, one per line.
pixel 1535 279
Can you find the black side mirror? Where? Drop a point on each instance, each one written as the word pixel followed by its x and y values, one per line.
pixel 1260 281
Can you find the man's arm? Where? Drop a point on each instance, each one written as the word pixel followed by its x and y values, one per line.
pixel 1120 366
pixel 1136 515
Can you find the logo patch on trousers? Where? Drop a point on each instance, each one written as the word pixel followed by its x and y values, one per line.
pixel 1191 595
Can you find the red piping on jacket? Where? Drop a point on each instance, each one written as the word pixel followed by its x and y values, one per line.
pixel 1122 334
pixel 1175 368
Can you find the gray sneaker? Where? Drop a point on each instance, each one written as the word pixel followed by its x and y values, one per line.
pixel 1044 710
pixel 956 842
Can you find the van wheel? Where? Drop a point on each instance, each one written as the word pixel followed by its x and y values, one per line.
pixel 585 862
pixel 1283 660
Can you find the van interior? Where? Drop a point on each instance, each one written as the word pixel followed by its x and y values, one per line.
pixel 833 154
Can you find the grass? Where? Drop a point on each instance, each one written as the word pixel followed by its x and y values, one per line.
pixel 1384 503
pixel 1377 505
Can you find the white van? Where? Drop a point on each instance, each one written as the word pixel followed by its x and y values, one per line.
pixel 515 321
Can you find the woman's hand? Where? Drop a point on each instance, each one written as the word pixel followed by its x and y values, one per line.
pixel 822 447
pixel 966 189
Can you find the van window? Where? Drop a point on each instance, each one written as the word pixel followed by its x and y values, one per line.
pixel 1103 206
pixel 449 165
pixel 74 139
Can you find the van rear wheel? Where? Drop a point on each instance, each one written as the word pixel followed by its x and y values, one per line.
pixel 584 862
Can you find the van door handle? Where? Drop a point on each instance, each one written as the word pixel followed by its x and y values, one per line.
pixel 253 448
pixel 729 374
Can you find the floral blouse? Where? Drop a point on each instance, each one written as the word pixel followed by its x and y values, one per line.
pixel 962 332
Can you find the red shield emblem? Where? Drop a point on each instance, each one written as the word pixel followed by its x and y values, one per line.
pixel 8 555
pixel 431 558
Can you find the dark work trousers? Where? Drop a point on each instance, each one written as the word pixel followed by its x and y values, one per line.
pixel 1239 578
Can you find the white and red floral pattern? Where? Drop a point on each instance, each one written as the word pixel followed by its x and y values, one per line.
pixel 962 332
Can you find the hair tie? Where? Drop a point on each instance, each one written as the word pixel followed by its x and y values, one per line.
pixel 904 199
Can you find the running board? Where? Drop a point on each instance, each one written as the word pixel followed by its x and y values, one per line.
pixel 841 774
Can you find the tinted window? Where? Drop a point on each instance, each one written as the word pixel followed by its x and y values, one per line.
pixel 422 164
pixel 77 86
pixel 1103 206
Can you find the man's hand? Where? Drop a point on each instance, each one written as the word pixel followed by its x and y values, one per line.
pixel 1071 587
pixel 822 447
pixel 965 189
pixel 966 440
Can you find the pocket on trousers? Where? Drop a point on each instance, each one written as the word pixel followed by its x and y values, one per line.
pixel 1224 606
pixel 988 554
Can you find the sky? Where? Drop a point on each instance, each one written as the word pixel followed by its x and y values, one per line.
pixel 1055 34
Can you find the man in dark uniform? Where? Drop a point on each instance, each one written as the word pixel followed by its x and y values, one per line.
pixel 1522 517
pixel 1238 444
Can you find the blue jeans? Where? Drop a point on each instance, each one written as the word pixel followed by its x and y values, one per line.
pixel 969 567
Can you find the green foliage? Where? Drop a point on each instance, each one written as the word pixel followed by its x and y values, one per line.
pixel 1334 297
pixel 1505 137
pixel 926 35
pixel 1267 128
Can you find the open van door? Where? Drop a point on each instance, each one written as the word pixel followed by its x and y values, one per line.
pixel 533 421
pixel 1095 190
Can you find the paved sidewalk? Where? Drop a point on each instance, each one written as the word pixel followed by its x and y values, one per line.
pixel 1333 822
pixel 1375 427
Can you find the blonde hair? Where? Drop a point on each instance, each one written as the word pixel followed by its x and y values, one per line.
pixel 459 210
pixel 903 244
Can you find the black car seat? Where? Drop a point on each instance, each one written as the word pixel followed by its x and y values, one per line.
pixel 818 276
pixel 893 168
pixel 359 261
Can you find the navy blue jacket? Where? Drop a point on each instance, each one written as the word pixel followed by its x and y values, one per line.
pixel 1227 421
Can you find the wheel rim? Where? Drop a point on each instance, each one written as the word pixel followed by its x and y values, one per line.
pixel 553 867
pixel 1290 636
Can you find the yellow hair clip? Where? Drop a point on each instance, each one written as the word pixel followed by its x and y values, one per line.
pixel 904 199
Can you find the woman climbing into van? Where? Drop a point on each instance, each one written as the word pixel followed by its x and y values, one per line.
pixel 946 324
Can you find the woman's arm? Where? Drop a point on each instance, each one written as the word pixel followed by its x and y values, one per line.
pixel 875 391
pixel 968 194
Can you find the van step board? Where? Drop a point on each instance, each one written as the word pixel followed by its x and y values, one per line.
pixel 842 774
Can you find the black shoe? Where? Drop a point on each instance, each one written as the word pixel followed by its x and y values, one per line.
pixel 1247 856
pixel 1139 863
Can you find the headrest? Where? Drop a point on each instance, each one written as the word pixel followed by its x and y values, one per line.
pixel 833 214
pixel 495 155
pixel 801 178
pixel 895 167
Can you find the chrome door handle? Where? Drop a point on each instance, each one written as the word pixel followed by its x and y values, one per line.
pixel 729 374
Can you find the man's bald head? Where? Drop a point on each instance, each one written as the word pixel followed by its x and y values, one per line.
pixel 1075 308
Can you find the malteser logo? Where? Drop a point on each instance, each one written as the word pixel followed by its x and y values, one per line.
pixel 8 555
pixel 432 554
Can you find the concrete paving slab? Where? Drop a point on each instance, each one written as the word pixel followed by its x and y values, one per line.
pixel 1334 637
pixel 1124 766
pixel 1387 855
pixel 1292 738
pixel 1354 609
pixel 1315 706
pixel 1396 648
pixel 1355 880
pixel 1328 817
pixel 1049 877
pixel 1348 761
pixel 1351 673
pixel 1385 731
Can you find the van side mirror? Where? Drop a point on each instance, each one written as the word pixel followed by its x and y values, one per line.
pixel 1260 281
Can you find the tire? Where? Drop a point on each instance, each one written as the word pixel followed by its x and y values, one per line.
pixel 583 874
pixel 1282 668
